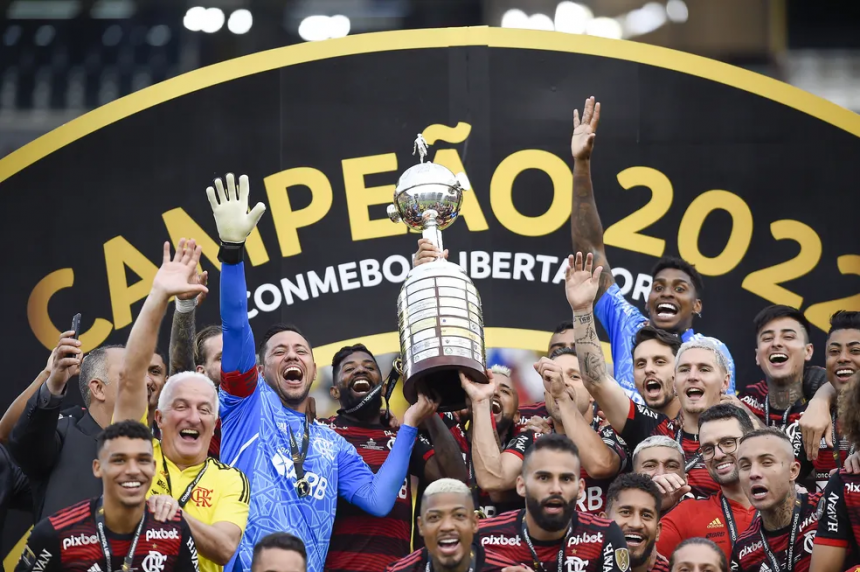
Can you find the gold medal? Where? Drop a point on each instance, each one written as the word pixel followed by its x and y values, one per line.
pixel 303 488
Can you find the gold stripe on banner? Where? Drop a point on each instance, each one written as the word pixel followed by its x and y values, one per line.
pixel 432 38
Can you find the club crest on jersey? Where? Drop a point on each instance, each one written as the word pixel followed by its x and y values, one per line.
pixel 324 447
pixel 575 564
pixel 153 562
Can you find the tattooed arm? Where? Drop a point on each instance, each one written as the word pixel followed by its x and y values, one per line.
pixel 581 286
pixel 182 330
pixel 585 227
pixel 182 333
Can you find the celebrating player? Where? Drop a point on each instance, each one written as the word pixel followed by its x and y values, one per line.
pixel 633 502
pixel 448 524
pixel 550 533
pixel 114 531
pixel 676 291
pixel 297 468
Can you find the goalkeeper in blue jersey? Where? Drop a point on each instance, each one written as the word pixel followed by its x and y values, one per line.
pixel 676 291
pixel 297 468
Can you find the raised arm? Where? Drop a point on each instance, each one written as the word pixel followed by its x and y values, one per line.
pixel 447 461
pixel 586 230
pixel 377 493
pixel 581 286
pixel 176 276
pixel 36 427
pixel 235 223
pixel 494 471
pixel 13 413
pixel 598 460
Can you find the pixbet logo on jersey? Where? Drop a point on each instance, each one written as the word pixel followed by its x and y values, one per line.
pixel 585 538
pixel 501 541
pixel 162 534
pixel 852 488
pixel 81 540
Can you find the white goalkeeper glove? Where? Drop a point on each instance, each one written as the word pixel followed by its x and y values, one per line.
pixel 232 218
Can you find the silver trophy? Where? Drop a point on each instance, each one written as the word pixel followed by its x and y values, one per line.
pixel 439 312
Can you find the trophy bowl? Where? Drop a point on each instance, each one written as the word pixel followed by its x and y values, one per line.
pixel 439 313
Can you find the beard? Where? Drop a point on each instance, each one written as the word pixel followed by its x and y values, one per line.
pixel 293 398
pixel 348 400
pixel 636 561
pixel 661 401
pixel 550 523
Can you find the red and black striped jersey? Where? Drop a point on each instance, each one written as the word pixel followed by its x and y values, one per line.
pixel 69 541
pixel 528 411
pixel 839 516
pixel 830 458
pixel 594 499
pixel 643 422
pixel 485 561
pixel 755 397
pixel 594 544
pixel 361 542
pixel 748 554
pixel 660 565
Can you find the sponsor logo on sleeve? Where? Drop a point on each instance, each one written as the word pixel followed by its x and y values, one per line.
pixel 192 548
pixel 832 517
pixel 42 562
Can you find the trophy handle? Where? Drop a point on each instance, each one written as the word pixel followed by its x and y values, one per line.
pixel 431 230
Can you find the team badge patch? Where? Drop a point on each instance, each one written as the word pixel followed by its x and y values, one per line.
pixel 622 558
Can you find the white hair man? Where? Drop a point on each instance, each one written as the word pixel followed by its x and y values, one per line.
pixel 662 458
pixel 448 524
pixel 213 498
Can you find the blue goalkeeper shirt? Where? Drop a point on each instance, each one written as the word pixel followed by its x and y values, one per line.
pixel 622 320
pixel 255 438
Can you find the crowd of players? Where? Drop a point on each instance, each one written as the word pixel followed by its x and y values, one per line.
pixel 213 457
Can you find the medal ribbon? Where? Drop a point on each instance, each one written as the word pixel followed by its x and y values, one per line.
pixel 792 539
pixel 100 527
pixel 299 457
pixel 183 500
pixel 538 565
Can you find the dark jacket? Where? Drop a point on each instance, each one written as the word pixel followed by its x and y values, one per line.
pixel 14 488
pixel 55 450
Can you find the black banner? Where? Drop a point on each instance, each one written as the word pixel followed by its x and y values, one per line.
pixel 748 178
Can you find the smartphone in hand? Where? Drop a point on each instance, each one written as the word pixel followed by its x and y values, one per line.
pixel 76 326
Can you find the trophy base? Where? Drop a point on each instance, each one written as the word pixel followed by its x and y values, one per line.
pixel 441 375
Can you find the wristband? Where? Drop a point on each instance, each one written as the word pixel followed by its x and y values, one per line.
pixel 231 252
pixel 186 306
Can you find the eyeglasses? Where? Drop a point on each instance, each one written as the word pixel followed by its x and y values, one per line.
pixel 727 446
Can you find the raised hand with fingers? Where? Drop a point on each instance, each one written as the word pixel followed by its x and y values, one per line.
pixel 65 362
pixel 203 279
pixel 477 392
pixel 553 378
pixel 179 275
pixel 580 283
pixel 419 411
pixel 672 487
pixel 230 209
pixel 585 130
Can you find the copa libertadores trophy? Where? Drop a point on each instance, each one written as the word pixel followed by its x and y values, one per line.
pixel 439 311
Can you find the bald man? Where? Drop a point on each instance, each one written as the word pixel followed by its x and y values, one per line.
pixel 448 524
pixel 784 528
